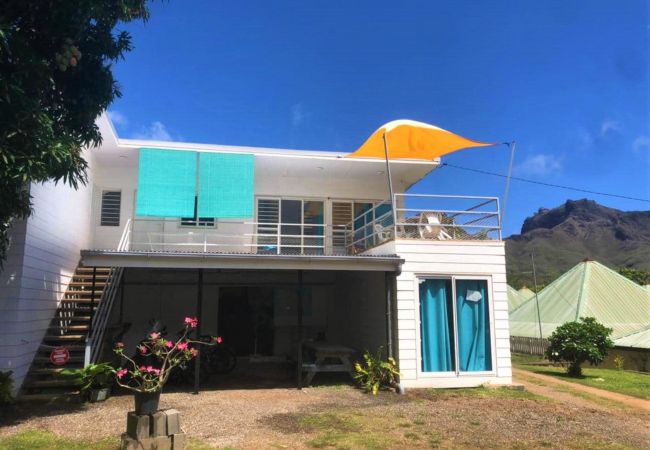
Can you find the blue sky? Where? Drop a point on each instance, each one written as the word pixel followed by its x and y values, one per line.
pixel 568 80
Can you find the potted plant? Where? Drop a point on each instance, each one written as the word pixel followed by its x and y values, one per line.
pixel 95 380
pixel 147 381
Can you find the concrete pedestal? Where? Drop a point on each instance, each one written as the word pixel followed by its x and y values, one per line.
pixel 158 431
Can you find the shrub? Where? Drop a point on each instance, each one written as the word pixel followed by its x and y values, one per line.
pixel 619 362
pixel 375 373
pixel 578 342
pixel 6 388
pixel 93 376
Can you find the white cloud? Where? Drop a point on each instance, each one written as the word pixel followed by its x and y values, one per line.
pixel 641 142
pixel 585 139
pixel 539 164
pixel 297 114
pixel 156 131
pixel 609 125
pixel 118 118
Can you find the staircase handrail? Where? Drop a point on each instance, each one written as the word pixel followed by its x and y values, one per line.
pixel 101 315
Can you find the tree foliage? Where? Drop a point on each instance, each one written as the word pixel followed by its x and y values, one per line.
pixel 55 80
pixel 579 342
pixel 639 276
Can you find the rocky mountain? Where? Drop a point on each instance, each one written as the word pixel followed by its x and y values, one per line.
pixel 563 236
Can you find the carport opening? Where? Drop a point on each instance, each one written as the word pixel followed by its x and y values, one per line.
pixel 272 322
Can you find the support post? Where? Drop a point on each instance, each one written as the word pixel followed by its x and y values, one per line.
pixel 199 315
pixel 122 281
pixel 299 314
pixel 388 285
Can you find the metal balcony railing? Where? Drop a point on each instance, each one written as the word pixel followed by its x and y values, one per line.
pixel 427 217
pixel 416 216
pixel 237 236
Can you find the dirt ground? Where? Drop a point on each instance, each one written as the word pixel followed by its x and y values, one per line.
pixel 343 417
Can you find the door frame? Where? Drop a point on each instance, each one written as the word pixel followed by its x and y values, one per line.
pixel 457 373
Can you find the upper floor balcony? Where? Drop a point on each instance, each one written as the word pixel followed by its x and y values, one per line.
pixel 319 227
pixel 294 202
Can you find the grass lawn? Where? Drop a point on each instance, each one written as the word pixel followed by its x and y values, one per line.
pixel 45 440
pixel 621 381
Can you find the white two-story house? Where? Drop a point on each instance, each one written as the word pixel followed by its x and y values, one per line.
pixel 272 249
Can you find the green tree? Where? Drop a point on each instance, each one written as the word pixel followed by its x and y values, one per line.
pixel 578 342
pixel 55 80
pixel 639 276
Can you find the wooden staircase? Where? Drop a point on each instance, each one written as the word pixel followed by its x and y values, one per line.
pixel 69 328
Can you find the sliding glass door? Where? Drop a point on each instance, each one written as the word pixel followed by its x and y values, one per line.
pixel 290 226
pixel 455 325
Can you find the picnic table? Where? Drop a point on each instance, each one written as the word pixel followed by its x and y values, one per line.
pixel 325 353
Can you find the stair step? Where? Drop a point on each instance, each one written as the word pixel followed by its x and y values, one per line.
pixel 64 337
pixel 72 295
pixel 72 319
pixel 46 359
pixel 71 348
pixel 57 382
pixel 89 276
pixel 85 284
pixel 46 371
pixel 51 397
pixel 90 270
pixel 69 327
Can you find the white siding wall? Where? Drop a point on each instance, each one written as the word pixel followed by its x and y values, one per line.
pixel 125 178
pixel 481 259
pixel 41 263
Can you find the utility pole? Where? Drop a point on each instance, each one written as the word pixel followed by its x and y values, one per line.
pixel 539 316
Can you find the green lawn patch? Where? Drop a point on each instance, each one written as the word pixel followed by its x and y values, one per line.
pixel 621 381
pixel 37 440
pixel 488 392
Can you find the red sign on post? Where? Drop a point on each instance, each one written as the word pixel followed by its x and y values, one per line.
pixel 59 356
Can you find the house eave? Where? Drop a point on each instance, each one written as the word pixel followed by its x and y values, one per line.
pixel 198 260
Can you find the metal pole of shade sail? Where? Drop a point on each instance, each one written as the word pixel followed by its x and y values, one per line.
pixel 539 316
pixel 507 190
pixel 390 187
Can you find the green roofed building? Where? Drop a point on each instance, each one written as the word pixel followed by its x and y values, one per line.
pixel 526 293
pixel 589 290
pixel 515 298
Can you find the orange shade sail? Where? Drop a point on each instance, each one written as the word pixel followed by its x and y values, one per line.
pixel 408 139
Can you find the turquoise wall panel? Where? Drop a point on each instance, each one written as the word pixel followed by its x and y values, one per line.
pixel 166 183
pixel 226 185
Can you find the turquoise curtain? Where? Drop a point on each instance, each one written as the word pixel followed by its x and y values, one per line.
pixel 226 185
pixel 166 183
pixel 435 326
pixel 473 316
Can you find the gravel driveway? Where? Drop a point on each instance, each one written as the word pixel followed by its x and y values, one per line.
pixel 344 417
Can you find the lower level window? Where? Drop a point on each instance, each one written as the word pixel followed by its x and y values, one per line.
pixel 455 325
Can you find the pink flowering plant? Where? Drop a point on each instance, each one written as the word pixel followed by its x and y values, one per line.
pixel 168 354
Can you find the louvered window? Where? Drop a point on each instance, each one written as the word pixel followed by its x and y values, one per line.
pixel 268 217
pixel 110 214
pixel 341 219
